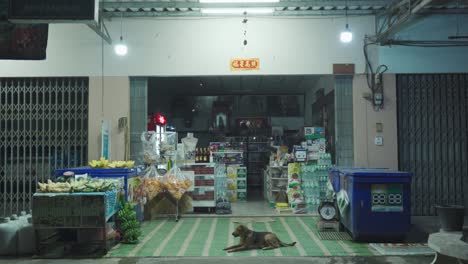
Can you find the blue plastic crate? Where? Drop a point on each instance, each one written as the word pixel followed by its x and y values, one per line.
pixel 124 173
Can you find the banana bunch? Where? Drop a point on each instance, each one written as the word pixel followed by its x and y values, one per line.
pixel 101 163
pixel 54 187
pixel 122 164
pixel 104 163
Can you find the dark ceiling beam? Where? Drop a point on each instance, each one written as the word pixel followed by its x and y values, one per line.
pixel 397 16
pixel 101 29
pixel 199 14
pixel 304 3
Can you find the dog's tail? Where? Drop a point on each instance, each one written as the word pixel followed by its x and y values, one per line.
pixel 286 244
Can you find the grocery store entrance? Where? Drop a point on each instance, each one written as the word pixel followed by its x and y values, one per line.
pixel 249 124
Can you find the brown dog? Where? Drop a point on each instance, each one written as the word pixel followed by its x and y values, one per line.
pixel 250 239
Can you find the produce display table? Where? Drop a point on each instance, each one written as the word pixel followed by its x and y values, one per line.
pixel 73 211
pixel 126 175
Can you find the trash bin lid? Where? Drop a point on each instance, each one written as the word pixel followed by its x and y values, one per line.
pixel 359 172
pixel 342 168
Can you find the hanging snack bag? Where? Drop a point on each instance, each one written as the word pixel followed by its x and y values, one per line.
pixel 152 186
pixel 175 183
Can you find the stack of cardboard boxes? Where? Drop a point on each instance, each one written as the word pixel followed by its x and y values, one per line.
pixel 237 183
pixel 242 184
pixel 315 142
pixel 295 194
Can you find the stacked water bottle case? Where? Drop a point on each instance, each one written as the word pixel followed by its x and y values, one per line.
pixel 315 181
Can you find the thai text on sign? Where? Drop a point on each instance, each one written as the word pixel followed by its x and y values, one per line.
pixel 245 64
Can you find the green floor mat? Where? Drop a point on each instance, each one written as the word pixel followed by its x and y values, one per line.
pixel 208 236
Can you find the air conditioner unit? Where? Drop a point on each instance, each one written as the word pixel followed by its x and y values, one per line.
pixel 53 11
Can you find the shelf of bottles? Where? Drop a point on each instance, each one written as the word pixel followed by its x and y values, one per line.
pixel 202 155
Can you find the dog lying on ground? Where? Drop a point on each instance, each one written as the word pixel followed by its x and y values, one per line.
pixel 250 239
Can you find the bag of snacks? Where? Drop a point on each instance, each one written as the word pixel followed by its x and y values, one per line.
pixel 152 186
pixel 175 183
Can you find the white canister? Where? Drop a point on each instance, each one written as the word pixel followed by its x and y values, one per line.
pixel 26 238
pixel 8 236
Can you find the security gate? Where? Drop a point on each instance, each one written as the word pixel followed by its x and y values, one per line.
pixel 43 126
pixel 433 138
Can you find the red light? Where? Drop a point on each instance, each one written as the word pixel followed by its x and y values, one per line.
pixel 161 120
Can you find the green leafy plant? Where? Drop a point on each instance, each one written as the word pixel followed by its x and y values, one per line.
pixel 128 227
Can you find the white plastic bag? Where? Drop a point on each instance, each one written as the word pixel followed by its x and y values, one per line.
pixel 149 141
pixel 175 183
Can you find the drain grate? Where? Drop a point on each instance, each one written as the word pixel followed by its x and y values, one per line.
pixel 334 236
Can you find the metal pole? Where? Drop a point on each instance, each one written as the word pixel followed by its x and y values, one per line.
pixel 25 133
pixel 11 153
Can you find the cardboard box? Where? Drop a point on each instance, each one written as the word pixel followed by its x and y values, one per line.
pixel 241 195
pixel 294 173
pixel 231 184
pixel 241 170
pixel 241 184
pixel 314 131
pixel 231 171
pixel 232 195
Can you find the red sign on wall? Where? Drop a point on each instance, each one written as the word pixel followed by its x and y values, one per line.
pixel 245 64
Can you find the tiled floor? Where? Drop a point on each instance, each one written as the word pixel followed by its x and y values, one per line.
pixel 253 208
pixel 207 236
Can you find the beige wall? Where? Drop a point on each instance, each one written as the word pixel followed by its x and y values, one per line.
pixel 366 153
pixel 158 47
pixel 116 104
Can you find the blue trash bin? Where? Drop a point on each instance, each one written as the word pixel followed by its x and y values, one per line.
pixel 334 175
pixel 379 203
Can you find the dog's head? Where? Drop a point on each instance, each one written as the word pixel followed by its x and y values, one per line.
pixel 241 231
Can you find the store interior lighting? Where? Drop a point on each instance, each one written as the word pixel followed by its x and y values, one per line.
pixel 121 48
pixel 346 36
pixel 239 1
pixel 237 11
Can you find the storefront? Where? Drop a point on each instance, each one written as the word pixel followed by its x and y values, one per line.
pixel 252 129
pixel 241 122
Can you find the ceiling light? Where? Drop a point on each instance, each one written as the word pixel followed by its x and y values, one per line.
pixel 237 11
pixel 121 49
pixel 239 1
pixel 346 36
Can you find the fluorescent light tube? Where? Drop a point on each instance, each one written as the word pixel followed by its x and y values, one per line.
pixel 238 11
pixel 239 1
